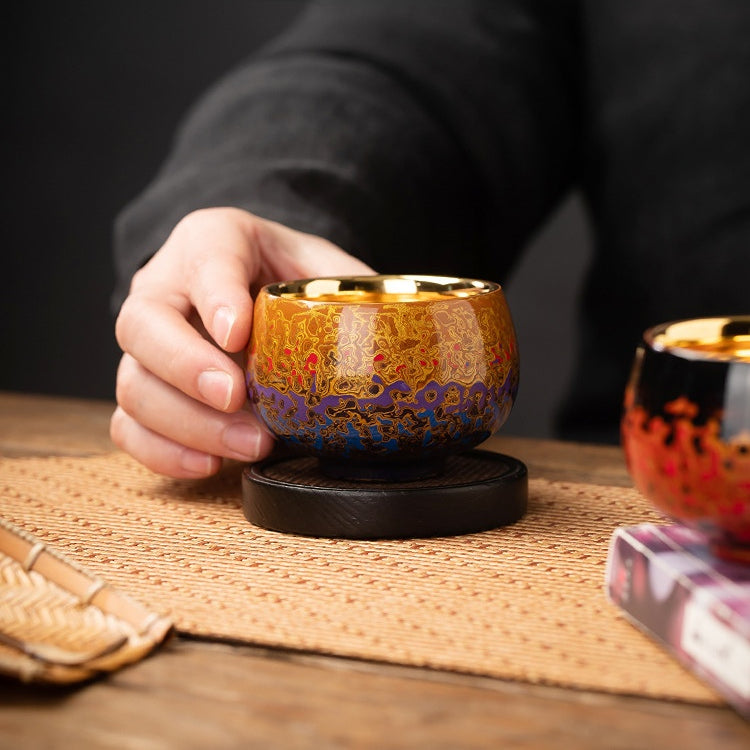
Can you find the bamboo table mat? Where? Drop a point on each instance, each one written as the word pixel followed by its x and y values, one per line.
pixel 523 603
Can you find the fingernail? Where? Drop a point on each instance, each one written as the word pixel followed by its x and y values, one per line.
pixel 222 324
pixel 200 464
pixel 216 387
pixel 243 440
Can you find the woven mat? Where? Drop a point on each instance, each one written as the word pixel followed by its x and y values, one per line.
pixel 525 603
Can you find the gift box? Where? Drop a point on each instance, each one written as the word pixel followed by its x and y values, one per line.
pixel 667 583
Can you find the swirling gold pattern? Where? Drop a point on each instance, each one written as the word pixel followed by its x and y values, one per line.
pixel 378 377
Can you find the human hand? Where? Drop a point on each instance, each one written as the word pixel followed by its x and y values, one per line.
pixel 181 396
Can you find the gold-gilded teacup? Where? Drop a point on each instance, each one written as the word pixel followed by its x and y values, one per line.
pixel 382 376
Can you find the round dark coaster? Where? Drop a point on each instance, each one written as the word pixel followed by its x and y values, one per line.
pixel 479 490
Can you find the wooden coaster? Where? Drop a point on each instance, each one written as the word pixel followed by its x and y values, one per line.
pixel 479 490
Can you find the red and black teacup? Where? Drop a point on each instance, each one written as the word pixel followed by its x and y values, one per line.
pixel 686 427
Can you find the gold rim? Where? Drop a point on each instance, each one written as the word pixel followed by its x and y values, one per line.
pixel 726 338
pixel 380 288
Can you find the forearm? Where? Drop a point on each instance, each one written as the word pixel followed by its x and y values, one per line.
pixel 417 141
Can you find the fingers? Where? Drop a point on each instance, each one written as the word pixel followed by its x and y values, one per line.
pixel 158 453
pixel 219 264
pixel 180 392
pixel 167 346
pixel 182 437
pixel 205 266
pixel 208 264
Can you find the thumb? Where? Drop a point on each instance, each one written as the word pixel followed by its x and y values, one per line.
pixel 289 254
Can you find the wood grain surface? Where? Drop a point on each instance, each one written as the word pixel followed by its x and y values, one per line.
pixel 198 694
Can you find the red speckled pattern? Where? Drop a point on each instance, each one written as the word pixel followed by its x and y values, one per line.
pixel 688 470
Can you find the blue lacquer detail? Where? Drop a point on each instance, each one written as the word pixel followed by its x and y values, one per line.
pixel 393 421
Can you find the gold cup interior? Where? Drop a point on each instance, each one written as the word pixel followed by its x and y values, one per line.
pixel 380 289
pixel 723 339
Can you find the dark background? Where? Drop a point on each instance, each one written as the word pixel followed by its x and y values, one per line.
pixel 94 92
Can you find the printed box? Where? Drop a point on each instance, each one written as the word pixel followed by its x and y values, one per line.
pixel 669 585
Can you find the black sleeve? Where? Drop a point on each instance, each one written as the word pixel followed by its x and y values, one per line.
pixel 667 176
pixel 423 136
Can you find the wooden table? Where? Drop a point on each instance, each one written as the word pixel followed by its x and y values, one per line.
pixel 198 694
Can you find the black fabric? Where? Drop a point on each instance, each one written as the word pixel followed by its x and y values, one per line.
pixel 667 177
pixel 436 136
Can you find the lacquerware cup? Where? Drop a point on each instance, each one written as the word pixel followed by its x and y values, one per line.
pixel 382 377
pixel 686 427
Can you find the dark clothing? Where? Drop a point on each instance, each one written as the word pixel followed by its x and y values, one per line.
pixel 430 136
